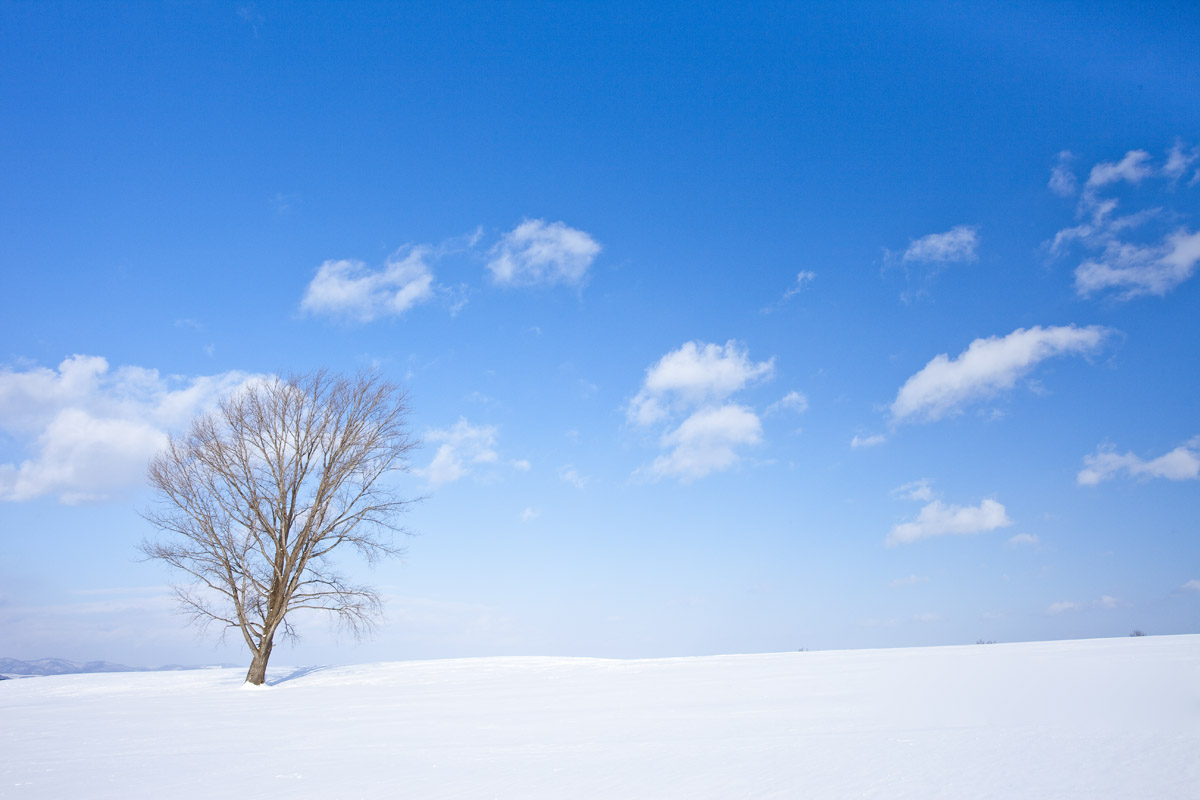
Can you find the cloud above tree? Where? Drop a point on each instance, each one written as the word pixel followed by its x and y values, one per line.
pixel 86 431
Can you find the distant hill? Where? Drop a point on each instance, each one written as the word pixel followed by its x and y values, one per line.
pixel 11 667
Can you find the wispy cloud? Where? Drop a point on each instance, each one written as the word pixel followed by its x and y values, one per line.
pixel 921 490
pixel 1063 606
pixel 708 441
pixel 1128 256
pixel 986 368
pixel 460 448
pixel 957 245
pixel 793 401
pixel 926 257
pixel 1062 179
pixel 250 14
pixel 864 440
pixel 1023 539
pixel 910 580
pixel 540 253
pixel 1179 161
pixel 86 432
pixel 568 474
pixel 350 290
pixel 284 204
pixel 1141 269
pixel 1181 464
pixel 803 278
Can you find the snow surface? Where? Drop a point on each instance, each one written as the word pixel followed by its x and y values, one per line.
pixel 1104 718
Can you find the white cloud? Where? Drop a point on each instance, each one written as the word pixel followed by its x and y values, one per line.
pixel 462 446
pixel 1179 160
pixel 792 401
pixel 1181 464
pixel 956 245
pixel 345 288
pixel 1132 168
pixel 987 367
pixel 537 253
pixel 706 442
pixel 927 617
pixel 522 465
pixel 695 374
pixel 868 441
pixel 1128 257
pixel 1083 232
pixel 1062 179
pixel 1107 601
pixel 1191 586
pixel 695 382
pixel 529 514
pixel 568 474
pixel 938 519
pixel 1023 539
pixel 921 490
pixel 1064 605
pixel 1141 269
pixel 911 580
pixel 88 432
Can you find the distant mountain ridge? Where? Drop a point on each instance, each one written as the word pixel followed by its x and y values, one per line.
pixel 61 666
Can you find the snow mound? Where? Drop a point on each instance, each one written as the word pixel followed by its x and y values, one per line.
pixel 1108 718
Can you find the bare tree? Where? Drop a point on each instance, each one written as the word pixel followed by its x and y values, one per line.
pixel 258 495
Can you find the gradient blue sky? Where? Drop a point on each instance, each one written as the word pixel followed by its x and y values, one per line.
pixel 726 328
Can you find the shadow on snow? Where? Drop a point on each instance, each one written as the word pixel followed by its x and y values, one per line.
pixel 299 672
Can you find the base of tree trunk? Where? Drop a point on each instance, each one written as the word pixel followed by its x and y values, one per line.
pixel 257 675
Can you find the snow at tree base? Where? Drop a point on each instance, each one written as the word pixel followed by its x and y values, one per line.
pixel 1101 718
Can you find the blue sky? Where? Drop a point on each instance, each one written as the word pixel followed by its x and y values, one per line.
pixel 726 329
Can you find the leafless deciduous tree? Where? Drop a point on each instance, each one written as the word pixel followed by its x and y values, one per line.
pixel 256 497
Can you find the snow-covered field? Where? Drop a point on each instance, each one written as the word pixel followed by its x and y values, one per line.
pixel 1106 718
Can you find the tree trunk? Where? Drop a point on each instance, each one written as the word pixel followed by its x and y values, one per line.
pixel 257 675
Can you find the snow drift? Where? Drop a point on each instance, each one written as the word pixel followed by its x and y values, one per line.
pixel 1113 718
